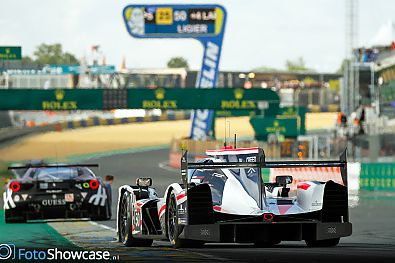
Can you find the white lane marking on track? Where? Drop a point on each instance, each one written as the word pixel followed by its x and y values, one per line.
pixel 214 258
pixel 194 252
pixel 103 226
pixel 165 166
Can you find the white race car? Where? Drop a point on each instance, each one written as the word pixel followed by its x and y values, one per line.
pixel 223 199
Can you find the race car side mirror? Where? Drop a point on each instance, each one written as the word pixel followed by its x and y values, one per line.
pixel 144 182
pixel 109 178
pixel 283 180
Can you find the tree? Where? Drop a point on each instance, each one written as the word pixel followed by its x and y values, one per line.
pixel 178 62
pixel 296 65
pixel 27 60
pixel 54 55
pixel 265 68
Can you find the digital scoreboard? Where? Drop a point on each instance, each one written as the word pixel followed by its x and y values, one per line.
pixel 205 23
pixel 174 21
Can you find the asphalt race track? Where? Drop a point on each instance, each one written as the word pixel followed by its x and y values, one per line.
pixel 373 221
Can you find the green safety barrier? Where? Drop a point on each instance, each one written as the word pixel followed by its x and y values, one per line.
pixel 141 98
pixel 377 176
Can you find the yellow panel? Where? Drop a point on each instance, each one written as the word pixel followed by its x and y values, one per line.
pixel 164 16
pixel 218 20
pixel 76 124
pixel 89 122
pixel 163 117
pixel 315 108
pixel 333 108
pixel 103 122
pixel 128 12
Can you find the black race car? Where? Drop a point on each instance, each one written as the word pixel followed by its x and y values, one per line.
pixel 57 191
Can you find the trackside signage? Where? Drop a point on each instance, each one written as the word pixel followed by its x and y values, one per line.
pixel 205 23
pixel 377 176
pixel 56 99
pixel 215 99
pixel 142 98
pixel 10 53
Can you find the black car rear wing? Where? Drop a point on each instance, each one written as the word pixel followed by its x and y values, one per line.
pixel 51 166
pixel 262 163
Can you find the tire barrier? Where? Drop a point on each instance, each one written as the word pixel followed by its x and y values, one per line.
pixel 377 176
pixel 96 121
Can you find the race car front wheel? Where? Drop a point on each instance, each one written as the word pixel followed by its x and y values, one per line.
pixel 125 225
pixel 174 229
pixel 323 243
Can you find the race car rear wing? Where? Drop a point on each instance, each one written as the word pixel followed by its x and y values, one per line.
pixel 341 163
pixel 51 166
pixel 262 163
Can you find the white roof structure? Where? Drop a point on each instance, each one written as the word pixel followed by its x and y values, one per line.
pixel 385 35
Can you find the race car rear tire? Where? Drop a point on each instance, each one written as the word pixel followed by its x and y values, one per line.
pixel 125 225
pixel 11 218
pixel 174 229
pixel 103 212
pixel 323 243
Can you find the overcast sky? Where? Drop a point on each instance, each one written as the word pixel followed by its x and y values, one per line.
pixel 258 32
